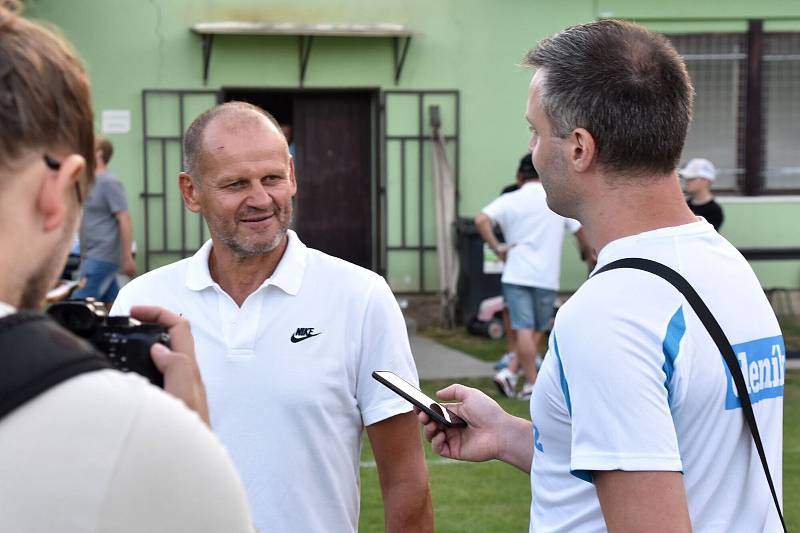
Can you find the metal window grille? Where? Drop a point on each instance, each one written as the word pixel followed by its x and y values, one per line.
pixel 716 65
pixel 761 157
pixel 781 95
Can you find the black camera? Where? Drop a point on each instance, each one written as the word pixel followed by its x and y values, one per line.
pixel 124 340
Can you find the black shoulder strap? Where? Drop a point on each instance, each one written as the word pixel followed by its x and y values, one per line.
pixel 37 354
pixel 722 342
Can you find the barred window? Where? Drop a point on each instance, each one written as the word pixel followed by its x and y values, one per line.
pixel 782 110
pixel 755 148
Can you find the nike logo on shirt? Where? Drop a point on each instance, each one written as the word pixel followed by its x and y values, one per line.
pixel 303 333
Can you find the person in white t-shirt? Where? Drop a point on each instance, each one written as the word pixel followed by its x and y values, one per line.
pixel 287 339
pixel 534 237
pixel 635 423
pixel 100 450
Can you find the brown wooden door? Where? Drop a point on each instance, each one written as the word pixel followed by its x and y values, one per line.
pixel 333 163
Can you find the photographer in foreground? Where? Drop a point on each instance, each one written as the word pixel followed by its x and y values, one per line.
pixel 83 447
pixel 636 423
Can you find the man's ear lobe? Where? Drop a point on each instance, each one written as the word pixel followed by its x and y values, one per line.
pixel 583 149
pixel 188 188
pixel 53 199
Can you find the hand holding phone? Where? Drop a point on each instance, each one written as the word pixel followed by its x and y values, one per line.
pixel 435 410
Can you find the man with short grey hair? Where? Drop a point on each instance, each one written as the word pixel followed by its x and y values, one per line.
pixel 287 339
pixel 636 425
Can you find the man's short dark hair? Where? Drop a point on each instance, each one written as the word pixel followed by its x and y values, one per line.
pixel 105 148
pixel 624 84
pixel 193 138
pixel 44 93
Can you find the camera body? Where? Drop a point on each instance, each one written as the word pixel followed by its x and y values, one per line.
pixel 123 340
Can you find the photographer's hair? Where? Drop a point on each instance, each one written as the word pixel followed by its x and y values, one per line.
pixel 624 84
pixel 193 138
pixel 104 146
pixel 45 102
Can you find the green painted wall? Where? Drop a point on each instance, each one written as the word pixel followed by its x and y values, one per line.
pixel 473 46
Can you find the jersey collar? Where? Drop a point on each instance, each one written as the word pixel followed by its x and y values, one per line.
pixel 288 275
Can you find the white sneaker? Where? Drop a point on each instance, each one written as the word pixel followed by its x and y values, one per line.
pixel 506 382
pixel 526 392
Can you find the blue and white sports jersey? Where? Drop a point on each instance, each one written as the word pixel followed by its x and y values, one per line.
pixel 633 381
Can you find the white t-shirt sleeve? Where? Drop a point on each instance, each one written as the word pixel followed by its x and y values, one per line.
pixel 384 346
pixel 497 210
pixel 614 379
pixel 173 475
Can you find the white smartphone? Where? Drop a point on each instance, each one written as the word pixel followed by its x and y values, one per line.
pixel 409 392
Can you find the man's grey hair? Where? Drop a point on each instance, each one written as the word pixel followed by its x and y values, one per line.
pixel 193 138
pixel 624 84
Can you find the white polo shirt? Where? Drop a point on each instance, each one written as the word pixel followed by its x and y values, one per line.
pixel 288 376
pixel 536 234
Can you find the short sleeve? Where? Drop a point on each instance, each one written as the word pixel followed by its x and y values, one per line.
pixel 384 346
pixel 614 375
pixel 115 196
pixel 497 210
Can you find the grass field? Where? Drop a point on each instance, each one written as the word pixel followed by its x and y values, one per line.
pixel 494 497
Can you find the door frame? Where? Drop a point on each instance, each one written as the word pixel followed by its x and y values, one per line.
pixel 376 193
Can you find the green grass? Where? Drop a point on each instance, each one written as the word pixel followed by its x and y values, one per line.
pixel 494 497
pixel 790 327
pixel 483 497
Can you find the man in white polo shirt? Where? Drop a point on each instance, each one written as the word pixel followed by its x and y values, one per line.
pixel 532 253
pixel 287 338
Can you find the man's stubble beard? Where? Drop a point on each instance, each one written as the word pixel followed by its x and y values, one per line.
pixel 243 249
pixel 42 279
pixel 560 199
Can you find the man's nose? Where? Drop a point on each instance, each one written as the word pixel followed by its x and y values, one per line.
pixel 259 196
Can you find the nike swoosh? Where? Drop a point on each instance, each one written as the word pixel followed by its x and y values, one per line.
pixel 295 338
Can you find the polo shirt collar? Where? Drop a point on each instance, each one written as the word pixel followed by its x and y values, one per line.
pixel 288 275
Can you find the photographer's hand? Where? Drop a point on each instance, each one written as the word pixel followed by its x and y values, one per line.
pixel 181 374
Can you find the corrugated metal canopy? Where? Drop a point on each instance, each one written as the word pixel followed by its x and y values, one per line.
pixel 400 35
pixel 291 28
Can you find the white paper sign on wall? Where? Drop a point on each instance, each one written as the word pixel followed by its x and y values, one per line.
pixel 116 121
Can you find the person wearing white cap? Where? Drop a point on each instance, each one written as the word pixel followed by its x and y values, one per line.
pixel 698 175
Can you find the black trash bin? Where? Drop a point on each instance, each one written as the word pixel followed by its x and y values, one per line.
pixel 473 285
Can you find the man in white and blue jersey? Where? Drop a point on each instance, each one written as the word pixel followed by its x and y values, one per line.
pixel 636 423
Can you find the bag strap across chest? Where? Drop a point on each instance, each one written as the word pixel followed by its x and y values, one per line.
pixel 37 354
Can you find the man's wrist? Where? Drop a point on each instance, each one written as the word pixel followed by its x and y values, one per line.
pixel 515 442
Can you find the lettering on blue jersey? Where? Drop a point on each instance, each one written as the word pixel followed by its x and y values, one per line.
pixel 536 442
pixel 763 364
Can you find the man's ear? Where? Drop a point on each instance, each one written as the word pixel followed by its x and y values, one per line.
pixel 189 190
pixel 55 189
pixel 582 149
pixel 292 178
